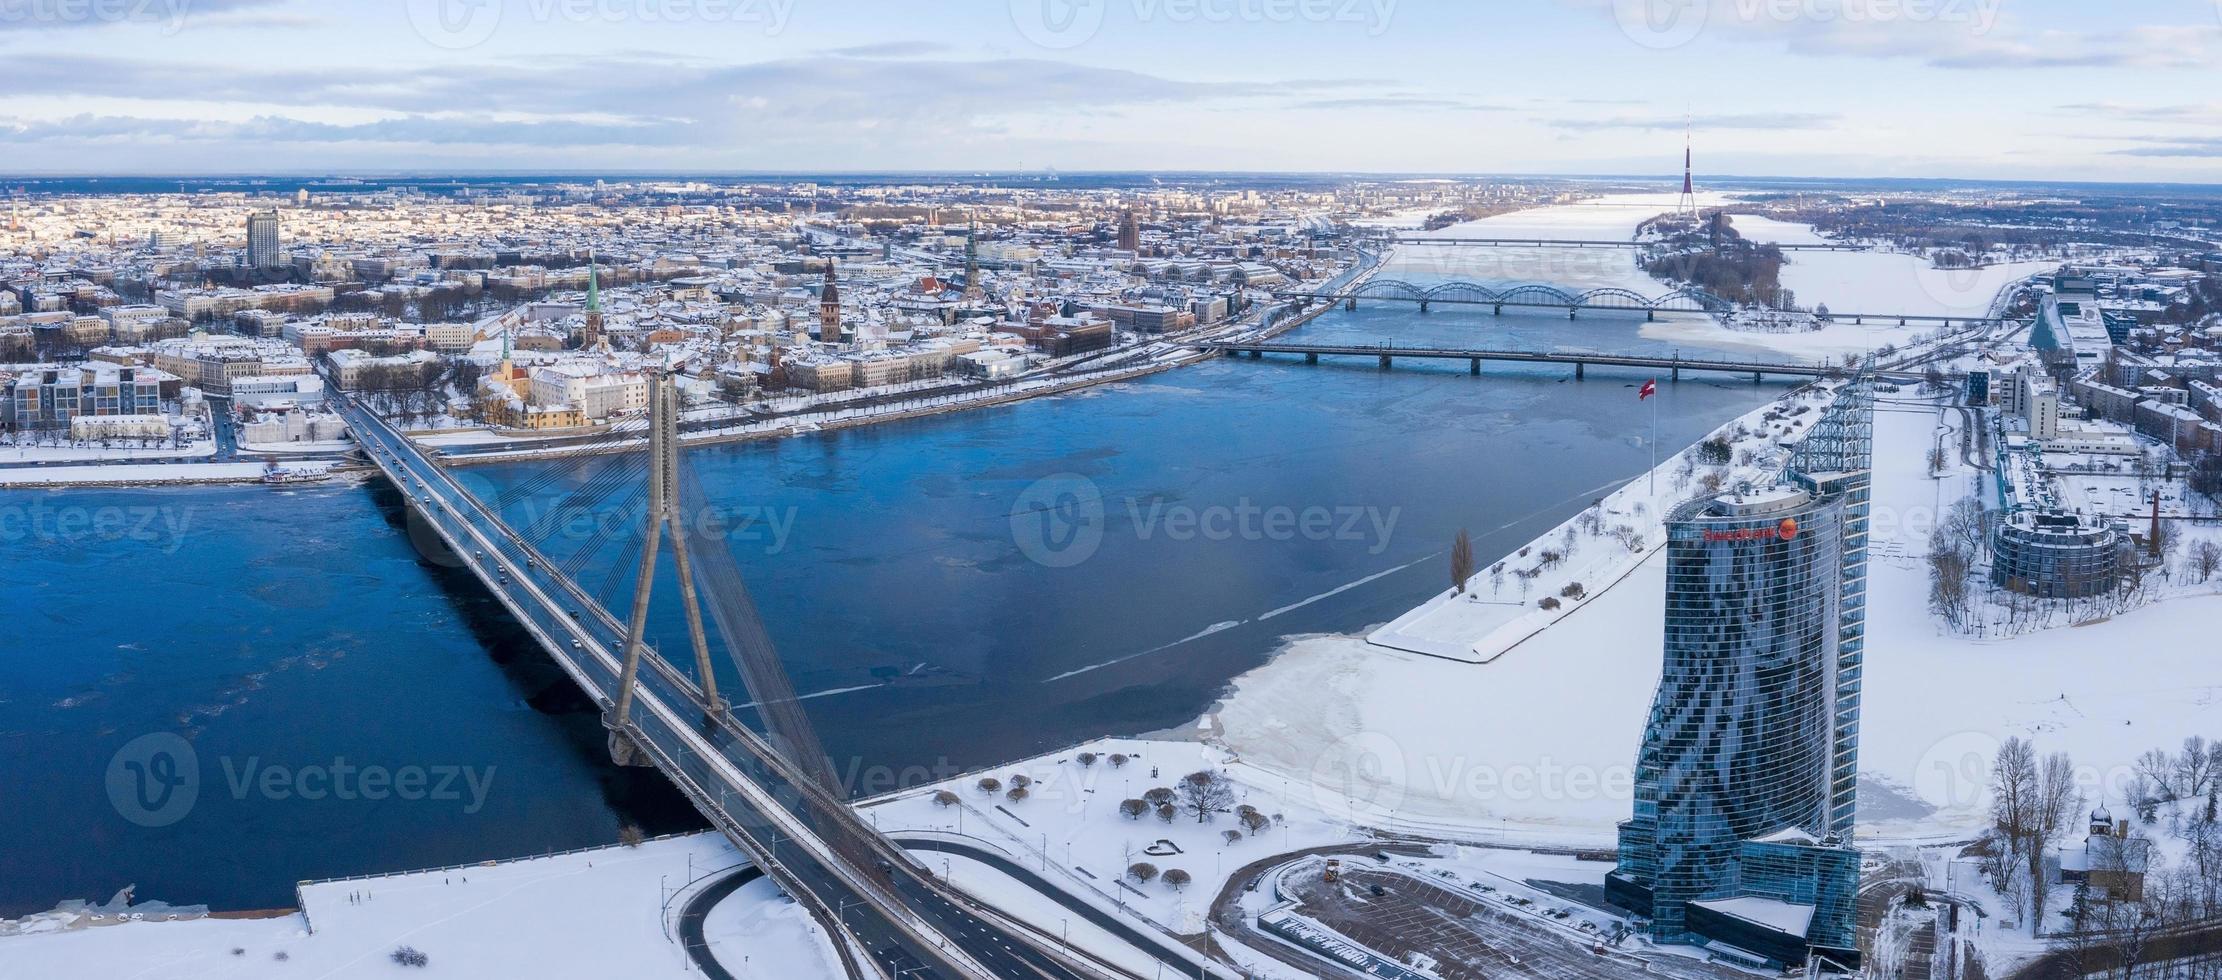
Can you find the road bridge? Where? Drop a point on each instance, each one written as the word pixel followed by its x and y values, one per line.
pixel 890 918
pixel 1609 299
pixel 1387 355
pixel 1609 243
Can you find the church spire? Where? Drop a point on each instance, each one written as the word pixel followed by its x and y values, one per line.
pixel 593 304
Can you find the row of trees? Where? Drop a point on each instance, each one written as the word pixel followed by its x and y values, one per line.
pixel 2033 802
pixel 410 393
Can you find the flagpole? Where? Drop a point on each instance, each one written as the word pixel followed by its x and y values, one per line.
pixel 1654 443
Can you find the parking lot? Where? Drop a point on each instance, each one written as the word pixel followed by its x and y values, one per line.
pixel 1458 932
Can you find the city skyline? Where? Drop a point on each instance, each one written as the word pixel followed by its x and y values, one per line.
pixel 1956 88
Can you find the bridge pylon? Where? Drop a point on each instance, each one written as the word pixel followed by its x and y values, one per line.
pixel 663 514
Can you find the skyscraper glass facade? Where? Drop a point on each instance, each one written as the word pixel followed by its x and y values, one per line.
pixel 1754 732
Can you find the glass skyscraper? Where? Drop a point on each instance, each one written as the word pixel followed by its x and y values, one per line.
pixel 262 240
pixel 1750 752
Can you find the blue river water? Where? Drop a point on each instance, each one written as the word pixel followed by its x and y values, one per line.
pixel 352 708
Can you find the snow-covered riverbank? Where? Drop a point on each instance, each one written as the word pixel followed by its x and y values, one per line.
pixel 605 913
pixel 1537 746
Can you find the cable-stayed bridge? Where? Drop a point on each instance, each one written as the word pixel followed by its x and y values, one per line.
pixel 772 792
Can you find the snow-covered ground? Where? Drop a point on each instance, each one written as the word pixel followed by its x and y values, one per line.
pixel 1537 746
pixel 113 474
pixel 1070 825
pixel 603 913
pixel 87 452
pixel 321 446
pixel 1405 219
pixel 1505 603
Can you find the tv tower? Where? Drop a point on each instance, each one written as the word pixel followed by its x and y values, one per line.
pixel 1688 204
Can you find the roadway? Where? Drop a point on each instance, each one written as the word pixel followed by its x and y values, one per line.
pixel 901 918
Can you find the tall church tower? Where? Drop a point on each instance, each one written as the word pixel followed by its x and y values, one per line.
pixel 829 308
pixel 1130 233
pixel 593 337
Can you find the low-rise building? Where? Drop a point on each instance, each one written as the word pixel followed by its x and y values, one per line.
pixel 52 398
pixel 94 428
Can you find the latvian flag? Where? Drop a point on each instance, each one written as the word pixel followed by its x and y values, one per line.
pixel 1650 388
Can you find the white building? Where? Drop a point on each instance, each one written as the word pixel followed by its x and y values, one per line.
pixel 92 428
pixel 598 394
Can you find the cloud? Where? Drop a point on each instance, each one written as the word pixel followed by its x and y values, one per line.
pixel 891 49
pixel 170 15
pixel 1956 34
pixel 859 87
pixel 1397 102
pixel 2200 113
pixel 2190 147
pixel 419 130
pixel 848 107
pixel 1762 120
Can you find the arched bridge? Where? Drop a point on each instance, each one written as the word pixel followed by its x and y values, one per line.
pixel 1525 295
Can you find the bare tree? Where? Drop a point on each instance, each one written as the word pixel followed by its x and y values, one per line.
pixel 1205 793
pixel 1133 809
pixel 2206 559
pixel 2056 800
pixel 1461 561
pixel 2013 795
pixel 1142 872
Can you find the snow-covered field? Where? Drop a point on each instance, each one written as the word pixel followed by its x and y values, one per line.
pixel 1070 824
pixel 601 913
pixel 19 453
pixel 130 474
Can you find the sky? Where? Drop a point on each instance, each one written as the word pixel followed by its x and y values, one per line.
pixel 2000 89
